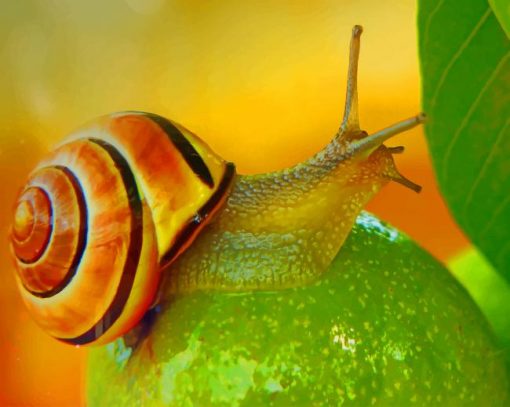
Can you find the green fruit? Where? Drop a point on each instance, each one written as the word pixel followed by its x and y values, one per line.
pixel 385 325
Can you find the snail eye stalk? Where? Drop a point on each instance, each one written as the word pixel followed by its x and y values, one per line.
pixel 353 139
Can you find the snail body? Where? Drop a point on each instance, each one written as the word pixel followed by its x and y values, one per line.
pixel 132 196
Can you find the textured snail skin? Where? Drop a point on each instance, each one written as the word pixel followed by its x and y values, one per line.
pixel 283 228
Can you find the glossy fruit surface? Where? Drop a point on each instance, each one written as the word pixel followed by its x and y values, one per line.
pixel 391 331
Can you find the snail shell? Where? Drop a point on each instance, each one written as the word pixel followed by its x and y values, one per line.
pixel 101 215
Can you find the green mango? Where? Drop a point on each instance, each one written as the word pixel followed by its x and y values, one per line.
pixel 385 325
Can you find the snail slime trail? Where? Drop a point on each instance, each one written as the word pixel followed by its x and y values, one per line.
pixel 132 196
pixel 284 228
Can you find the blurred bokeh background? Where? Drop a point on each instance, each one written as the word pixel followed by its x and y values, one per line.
pixel 262 82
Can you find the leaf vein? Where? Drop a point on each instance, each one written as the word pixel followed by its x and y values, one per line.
pixel 504 249
pixel 494 217
pixel 469 113
pixel 457 55
pixel 483 170
pixel 426 32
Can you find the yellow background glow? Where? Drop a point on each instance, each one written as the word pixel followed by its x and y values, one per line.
pixel 262 82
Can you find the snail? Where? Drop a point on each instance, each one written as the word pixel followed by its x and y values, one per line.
pixel 133 196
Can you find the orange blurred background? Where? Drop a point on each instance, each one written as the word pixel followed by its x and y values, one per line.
pixel 262 82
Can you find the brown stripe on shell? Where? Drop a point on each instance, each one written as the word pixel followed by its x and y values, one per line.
pixel 191 228
pixel 133 255
pixel 188 152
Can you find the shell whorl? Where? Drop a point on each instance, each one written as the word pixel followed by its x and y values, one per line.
pixel 102 213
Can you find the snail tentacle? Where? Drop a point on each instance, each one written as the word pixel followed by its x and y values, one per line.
pixel 375 140
pixel 351 116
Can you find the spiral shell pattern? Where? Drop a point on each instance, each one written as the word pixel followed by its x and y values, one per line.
pixel 101 216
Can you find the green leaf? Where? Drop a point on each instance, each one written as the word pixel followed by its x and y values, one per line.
pixel 489 290
pixel 465 64
pixel 385 325
pixel 501 9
